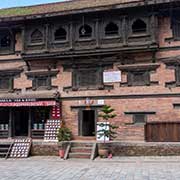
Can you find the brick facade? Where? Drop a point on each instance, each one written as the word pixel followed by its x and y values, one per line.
pixel 157 98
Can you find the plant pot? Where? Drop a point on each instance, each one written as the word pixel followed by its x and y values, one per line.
pixel 61 153
pixel 103 152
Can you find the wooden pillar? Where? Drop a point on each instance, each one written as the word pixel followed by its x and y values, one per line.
pixel 97 33
pixel 23 39
pixel 10 123
pixel 124 30
pixel 29 121
pixel 47 37
pixel 71 35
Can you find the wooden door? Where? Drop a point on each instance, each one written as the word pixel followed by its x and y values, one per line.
pixel 162 132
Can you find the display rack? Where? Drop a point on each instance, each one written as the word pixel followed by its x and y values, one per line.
pixel 51 129
pixel 21 148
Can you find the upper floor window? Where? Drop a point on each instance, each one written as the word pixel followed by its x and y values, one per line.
pixel 138 78
pixel 41 82
pixel 176 25
pixel 60 34
pixel 85 31
pixel 87 78
pixel 139 26
pixel 5 40
pixel 36 36
pixel 5 83
pixel 111 29
pixel 139 118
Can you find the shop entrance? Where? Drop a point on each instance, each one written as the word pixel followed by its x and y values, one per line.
pixel 21 115
pixel 87 123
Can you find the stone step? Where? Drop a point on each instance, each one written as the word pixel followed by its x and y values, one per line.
pixel 81 149
pixel 81 144
pixel 80 155
pixel 3 149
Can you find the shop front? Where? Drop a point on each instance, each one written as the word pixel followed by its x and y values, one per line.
pixel 26 117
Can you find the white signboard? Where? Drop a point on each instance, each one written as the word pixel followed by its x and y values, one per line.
pixel 100 101
pixel 112 76
pixel 106 126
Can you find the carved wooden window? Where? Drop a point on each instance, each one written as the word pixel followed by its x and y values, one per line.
pixel 41 82
pixel 139 26
pixel 87 78
pixel 111 29
pixel 139 118
pixel 85 31
pixel 5 40
pixel 138 78
pixel 60 34
pixel 176 25
pixel 177 74
pixel 36 36
pixel 6 83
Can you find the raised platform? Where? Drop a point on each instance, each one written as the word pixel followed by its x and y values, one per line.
pixel 117 148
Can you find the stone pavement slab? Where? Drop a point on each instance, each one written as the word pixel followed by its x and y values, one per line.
pixel 118 168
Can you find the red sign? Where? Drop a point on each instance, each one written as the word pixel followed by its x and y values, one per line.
pixel 35 103
pixel 56 111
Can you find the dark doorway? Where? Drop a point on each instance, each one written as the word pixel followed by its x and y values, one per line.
pixel 88 123
pixel 21 121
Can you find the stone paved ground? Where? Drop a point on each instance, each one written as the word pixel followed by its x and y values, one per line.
pixel 52 168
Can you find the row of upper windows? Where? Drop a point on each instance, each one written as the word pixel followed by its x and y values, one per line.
pixel 87 79
pixel 86 31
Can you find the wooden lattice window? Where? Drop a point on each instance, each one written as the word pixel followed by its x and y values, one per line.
pixel 36 36
pixel 111 29
pixel 87 78
pixel 41 82
pixel 139 26
pixel 138 78
pixel 5 40
pixel 5 83
pixel 85 31
pixel 176 25
pixel 60 34
pixel 139 118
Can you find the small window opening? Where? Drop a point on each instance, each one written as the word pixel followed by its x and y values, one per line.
pixel 139 26
pixel 85 31
pixel 111 29
pixel 36 36
pixel 60 34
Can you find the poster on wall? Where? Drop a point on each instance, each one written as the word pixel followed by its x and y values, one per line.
pixel 111 76
pixel 102 126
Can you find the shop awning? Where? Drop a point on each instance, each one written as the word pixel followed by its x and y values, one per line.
pixel 32 103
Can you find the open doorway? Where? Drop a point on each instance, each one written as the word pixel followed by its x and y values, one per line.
pixel 87 123
pixel 21 121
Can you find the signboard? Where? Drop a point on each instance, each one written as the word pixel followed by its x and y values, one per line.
pixel 99 127
pixel 35 103
pixel 100 101
pixel 111 76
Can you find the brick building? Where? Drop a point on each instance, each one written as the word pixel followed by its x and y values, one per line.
pixel 61 52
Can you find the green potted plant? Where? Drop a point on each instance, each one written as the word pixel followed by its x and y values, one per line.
pixel 107 130
pixel 64 134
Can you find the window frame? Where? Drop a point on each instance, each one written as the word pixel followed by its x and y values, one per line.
pixel 30 36
pixel 35 80
pixel 54 31
pixel 10 81
pixel 75 78
pixel 175 26
pixel 131 79
pixel 112 35
pixel 139 122
pixel 10 49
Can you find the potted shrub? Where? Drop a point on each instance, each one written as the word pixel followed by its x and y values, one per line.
pixel 107 130
pixel 64 134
